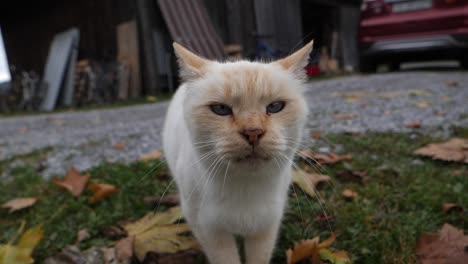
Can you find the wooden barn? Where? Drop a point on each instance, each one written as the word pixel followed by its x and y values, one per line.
pixel 215 28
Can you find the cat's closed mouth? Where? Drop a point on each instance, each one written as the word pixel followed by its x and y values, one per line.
pixel 252 157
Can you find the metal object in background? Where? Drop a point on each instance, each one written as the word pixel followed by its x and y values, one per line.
pixel 190 26
pixel 5 75
pixel 62 56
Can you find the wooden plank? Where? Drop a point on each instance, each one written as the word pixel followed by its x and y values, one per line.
pixel 146 20
pixel 128 53
pixel 349 27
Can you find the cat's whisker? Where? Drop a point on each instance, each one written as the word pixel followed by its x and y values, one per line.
pixel 211 175
pixel 306 157
pixel 317 195
pixel 154 166
pixel 164 193
pixel 224 178
pixel 204 156
pixel 202 178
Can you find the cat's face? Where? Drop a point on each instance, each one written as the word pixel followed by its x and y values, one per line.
pixel 245 111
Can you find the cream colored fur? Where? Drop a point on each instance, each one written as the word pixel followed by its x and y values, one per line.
pixel 224 190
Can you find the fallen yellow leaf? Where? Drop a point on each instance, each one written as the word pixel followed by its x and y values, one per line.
pixel 157 232
pixel 21 252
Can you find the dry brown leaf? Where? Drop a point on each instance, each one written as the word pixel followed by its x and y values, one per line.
pixel 101 191
pixel 413 124
pixel 308 181
pixel 452 83
pixel 349 175
pixel 448 246
pixel 83 234
pixel 345 116
pixel 124 248
pixel 151 156
pixel 315 134
pixel 19 203
pixel 73 181
pixel 349 194
pixel 325 158
pixel 313 249
pixel 169 200
pixel 58 122
pixel 120 146
pixel 455 149
pixel 23 130
pixel 447 207
pixel 423 104
pixel 352 97
pixel 302 250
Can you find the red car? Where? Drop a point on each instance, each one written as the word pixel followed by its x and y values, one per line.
pixel 396 31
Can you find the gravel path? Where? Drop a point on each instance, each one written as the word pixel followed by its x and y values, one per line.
pixel 382 102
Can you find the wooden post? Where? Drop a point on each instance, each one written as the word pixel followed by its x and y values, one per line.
pixel 129 55
pixel 145 13
pixel 349 26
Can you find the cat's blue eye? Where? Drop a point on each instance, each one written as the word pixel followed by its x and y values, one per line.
pixel 275 107
pixel 221 109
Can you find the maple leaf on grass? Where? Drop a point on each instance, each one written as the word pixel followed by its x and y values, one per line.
pixel 19 203
pixel 101 191
pixel 314 250
pixel 308 181
pixel 455 149
pixel 447 246
pixel 157 232
pixel 73 181
pixel 20 253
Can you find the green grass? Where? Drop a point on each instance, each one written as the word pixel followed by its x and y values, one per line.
pixel 400 200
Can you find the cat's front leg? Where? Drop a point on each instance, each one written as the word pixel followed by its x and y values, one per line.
pixel 259 247
pixel 218 246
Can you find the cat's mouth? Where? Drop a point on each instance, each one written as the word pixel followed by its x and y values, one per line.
pixel 254 156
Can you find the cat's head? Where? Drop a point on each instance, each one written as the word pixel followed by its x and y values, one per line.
pixel 245 111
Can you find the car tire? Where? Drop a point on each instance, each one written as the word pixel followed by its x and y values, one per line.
pixel 367 66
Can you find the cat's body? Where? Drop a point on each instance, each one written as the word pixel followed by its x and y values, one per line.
pixel 230 149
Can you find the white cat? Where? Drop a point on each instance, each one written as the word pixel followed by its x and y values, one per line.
pixel 230 134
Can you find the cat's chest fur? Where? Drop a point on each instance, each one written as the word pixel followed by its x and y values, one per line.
pixel 243 203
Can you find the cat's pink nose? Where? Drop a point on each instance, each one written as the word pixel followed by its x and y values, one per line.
pixel 252 135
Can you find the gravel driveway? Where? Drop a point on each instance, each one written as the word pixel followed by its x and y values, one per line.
pixel 381 102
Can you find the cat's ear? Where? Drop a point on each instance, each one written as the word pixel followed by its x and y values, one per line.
pixel 191 65
pixel 296 62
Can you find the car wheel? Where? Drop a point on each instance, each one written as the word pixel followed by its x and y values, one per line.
pixel 367 66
